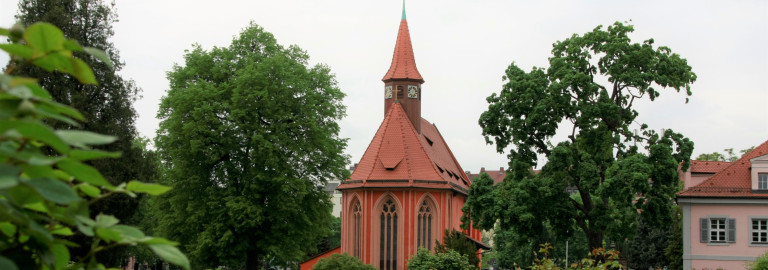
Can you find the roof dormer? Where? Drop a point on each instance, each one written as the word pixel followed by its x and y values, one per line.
pixel 759 173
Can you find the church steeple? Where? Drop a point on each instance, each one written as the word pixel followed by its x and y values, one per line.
pixel 402 83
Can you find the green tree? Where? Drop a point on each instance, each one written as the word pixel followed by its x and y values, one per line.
pixel 447 260
pixel 457 241
pixel 590 86
pixel 761 263
pixel 342 261
pixel 729 155
pixel 674 250
pixel 107 105
pixel 647 250
pixel 248 139
pixel 45 183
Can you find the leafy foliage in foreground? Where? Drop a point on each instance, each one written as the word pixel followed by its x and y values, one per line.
pixel 341 261
pixel 248 138
pixel 45 198
pixel 589 89
pixel 107 105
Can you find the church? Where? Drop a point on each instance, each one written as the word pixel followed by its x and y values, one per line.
pixel 408 187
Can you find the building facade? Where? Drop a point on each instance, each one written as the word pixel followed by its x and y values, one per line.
pixel 725 216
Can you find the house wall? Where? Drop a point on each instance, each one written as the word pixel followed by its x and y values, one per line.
pixel 698 255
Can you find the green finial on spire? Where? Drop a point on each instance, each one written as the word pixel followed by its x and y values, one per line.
pixel 403 9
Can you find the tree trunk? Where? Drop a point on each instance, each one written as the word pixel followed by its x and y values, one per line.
pixel 252 260
pixel 595 239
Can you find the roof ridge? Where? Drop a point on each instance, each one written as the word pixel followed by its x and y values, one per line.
pixel 461 170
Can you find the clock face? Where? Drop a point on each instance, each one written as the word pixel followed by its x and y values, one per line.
pixel 388 92
pixel 413 91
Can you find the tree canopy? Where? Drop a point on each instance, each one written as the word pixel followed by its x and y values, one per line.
pixel 589 89
pixel 248 138
pixel 342 261
pixel 729 155
pixel 447 260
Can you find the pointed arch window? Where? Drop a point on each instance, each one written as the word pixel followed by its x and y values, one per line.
pixel 424 226
pixel 357 226
pixel 388 243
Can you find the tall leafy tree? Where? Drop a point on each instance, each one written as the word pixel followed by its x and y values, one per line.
pixel 249 136
pixel 107 106
pixel 729 155
pixel 589 90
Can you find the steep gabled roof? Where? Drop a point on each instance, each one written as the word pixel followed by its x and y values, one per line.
pixel 733 181
pixel 399 157
pixel 403 65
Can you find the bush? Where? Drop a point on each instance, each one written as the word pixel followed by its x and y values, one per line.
pixel 342 261
pixel 761 263
pixel 448 260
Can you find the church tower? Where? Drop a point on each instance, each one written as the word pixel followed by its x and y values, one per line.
pixel 402 83
pixel 408 187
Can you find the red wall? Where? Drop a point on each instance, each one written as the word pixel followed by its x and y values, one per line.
pixel 408 201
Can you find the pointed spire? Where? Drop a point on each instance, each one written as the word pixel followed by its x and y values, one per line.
pixel 403 9
pixel 403 65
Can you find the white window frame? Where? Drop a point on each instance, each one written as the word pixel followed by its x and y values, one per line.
pixel 728 230
pixel 762 181
pixel 752 230
pixel 715 233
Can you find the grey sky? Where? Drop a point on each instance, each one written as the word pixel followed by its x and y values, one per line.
pixel 462 49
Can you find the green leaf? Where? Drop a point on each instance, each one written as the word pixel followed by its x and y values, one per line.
pixel 89 190
pixel 82 71
pixel 44 37
pixel 17 49
pixel 99 54
pixel 82 155
pixel 81 138
pixel 83 172
pixel 8 228
pixel 8 176
pixel 108 234
pixel 104 221
pixel 61 230
pixel 152 189
pixel 72 45
pixel 157 240
pixel 7 264
pixel 61 253
pixel 53 190
pixel 129 234
pixel 171 254
pixel 36 131
pixel 4 32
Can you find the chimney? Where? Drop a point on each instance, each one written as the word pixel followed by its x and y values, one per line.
pixel 482 169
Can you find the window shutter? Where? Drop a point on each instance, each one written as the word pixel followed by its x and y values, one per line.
pixel 704 230
pixel 731 230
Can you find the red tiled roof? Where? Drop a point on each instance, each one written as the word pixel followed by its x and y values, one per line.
pixel 497 176
pixel 733 181
pixel 403 63
pixel 398 153
pixel 704 166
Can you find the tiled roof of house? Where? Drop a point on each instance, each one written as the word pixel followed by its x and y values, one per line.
pixel 497 176
pixel 704 166
pixel 735 180
pixel 400 157
pixel 403 63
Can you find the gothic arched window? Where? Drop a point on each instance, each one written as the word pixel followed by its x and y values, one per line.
pixel 424 226
pixel 388 248
pixel 357 226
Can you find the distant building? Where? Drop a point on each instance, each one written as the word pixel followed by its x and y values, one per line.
pixel 725 212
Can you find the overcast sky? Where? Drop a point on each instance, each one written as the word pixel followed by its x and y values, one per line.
pixel 462 49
